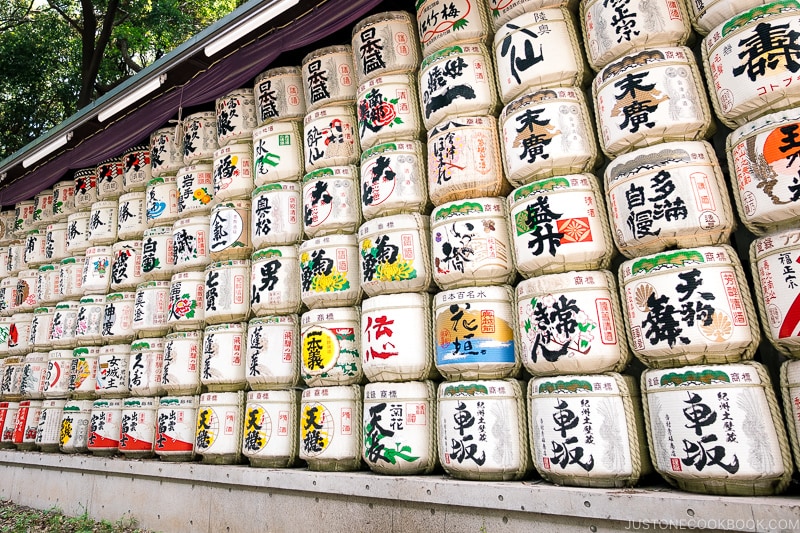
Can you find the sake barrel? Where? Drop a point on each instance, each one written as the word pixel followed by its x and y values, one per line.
pixel 790 393
pixel 279 95
pixel 388 357
pixel 271 428
pixel 8 417
pixel 181 353
pixel 330 137
pixel 405 415
pixel 471 243
pixel 224 346
pixel 671 195
pixel 464 160
pixel 190 243
pixel 126 266
pixel 145 367
pixel 112 371
pixel 571 323
pixel 43 208
pixel 7 221
pixel 650 97
pixel 19 334
pixel 186 308
pixel 4 272
pixel 559 62
pixel 218 435
pixel 23 212
pixel 78 232
pixel 688 306
pixel 136 168
pixel 329 273
pixel 27 290
pixel 35 243
pixel 545 133
pixel 747 61
pixel 175 428
pixel 275 216
pixel 103 223
pixel 559 224
pixel 466 409
pixel 138 427
pixel 275 281
pixel 330 428
pixel 457 81
pixel 395 254
pixel 158 253
pixel 34 375
pixel 385 43
pixel 96 277
pixel 278 152
pixel 761 156
pixel 708 14
pixel 161 196
pixel 104 430
pixel 59 366
pixel 91 312
pixel 474 337
pixel 75 425
pixel 330 347
pixel 716 429
pixel 118 317
pixel 388 110
pixel 199 137
pixel 16 257
pixel 236 116
pixel 83 372
pixel 461 21
pixel 55 242
pixel 618 29
pixel 393 179
pixel 229 231
pixel 63 200
pixel 11 386
pixel 227 291
pixel 328 77
pixel 8 290
pixel 330 201
pixel 48 284
pixel 49 428
pixel 109 179
pixel 132 216
pixel 195 189
pixel 272 359
pixel 150 309
pixel 166 151
pixel 64 326
pixel 773 259
pixel 233 172
pixel 41 325
pixel 26 424
pixel 5 327
pixel 587 430
pixel 85 188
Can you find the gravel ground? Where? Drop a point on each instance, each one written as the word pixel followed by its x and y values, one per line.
pixel 19 519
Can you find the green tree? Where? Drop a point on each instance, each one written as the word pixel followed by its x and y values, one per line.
pixel 57 56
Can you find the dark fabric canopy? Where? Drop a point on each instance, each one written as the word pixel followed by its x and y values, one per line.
pixel 234 71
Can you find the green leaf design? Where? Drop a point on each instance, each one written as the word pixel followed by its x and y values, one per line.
pixel 460 24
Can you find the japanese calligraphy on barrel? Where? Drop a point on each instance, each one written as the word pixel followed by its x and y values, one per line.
pixel 222 364
pixel 393 179
pixel 236 116
pixel 104 426
pixel 186 309
pixel 132 215
pixel 330 201
pixel 233 171
pixel 166 152
pixel 199 137
pixel 330 347
pixel 278 152
pixel 181 355
pixel 330 137
pixel 145 367
pixel 109 179
pixel 275 281
pixel 271 432
pixel 138 427
pixel 136 168
pixel 329 271
pixel 461 21
pixel 790 392
pixel 330 428
pixel 161 197
pixel 328 77
pixel 388 110
pixel 74 428
pixel 273 352
pixel 150 309
pixel 83 373
pixel 218 431
pixel 385 43
pixel 118 317
pixel 175 428
pixel 195 185
pixel 279 95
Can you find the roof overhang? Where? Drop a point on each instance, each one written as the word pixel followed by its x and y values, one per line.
pixel 224 57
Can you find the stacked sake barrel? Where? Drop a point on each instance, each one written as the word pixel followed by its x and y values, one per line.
pixel 759 101
pixel 329 428
pixel 270 430
pixel 688 315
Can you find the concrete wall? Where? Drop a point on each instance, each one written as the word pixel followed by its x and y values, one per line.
pixel 196 497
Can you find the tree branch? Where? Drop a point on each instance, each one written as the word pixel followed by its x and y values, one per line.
pixel 122 45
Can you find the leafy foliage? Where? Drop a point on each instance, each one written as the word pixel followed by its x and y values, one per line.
pixel 57 56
